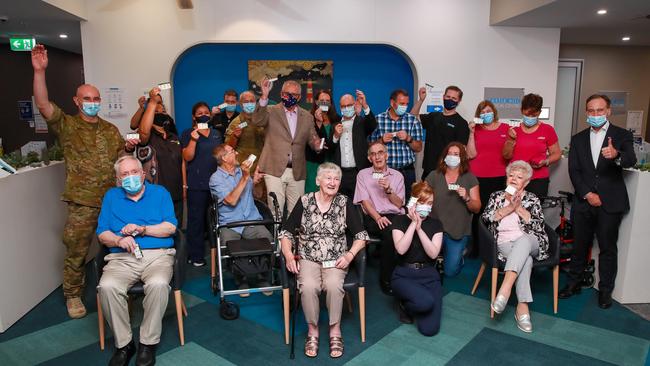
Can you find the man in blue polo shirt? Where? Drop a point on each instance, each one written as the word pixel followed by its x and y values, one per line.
pixel 232 187
pixel 401 132
pixel 137 224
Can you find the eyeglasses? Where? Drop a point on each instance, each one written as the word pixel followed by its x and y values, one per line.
pixel 378 153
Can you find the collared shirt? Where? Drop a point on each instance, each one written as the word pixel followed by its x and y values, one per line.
pixel 346 145
pixel 154 207
pixel 292 119
pixel 221 184
pixel 368 189
pixel 204 164
pixel 596 140
pixel 400 153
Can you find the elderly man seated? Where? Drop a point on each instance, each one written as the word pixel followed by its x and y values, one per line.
pixel 232 187
pixel 137 224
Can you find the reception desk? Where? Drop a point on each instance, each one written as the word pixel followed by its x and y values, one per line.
pixel 31 224
pixel 633 248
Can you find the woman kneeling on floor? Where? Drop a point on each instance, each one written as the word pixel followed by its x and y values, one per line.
pixel 317 228
pixel 515 218
pixel 416 281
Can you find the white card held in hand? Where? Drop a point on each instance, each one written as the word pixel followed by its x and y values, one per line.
pixel 132 136
pixel 377 176
pixel 328 264
pixel 222 105
pixel 164 86
pixel 202 126
pixel 412 202
pixel 251 158
pixel 514 123
pixel 243 124
pixel 324 108
pixel 453 187
pixel 273 79
pixel 137 252
pixel 394 134
pixel 478 121
pixel 322 143
pixel 511 190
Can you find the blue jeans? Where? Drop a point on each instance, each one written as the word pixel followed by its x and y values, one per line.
pixel 453 253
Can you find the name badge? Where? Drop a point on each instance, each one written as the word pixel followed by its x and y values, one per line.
pixel 450 125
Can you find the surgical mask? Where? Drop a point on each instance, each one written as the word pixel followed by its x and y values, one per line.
pixel 452 160
pixel 423 210
pixel 289 101
pixel 91 108
pixel 347 112
pixel 530 121
pixel 231 107
pixel 596 121
pixel 248 107
pixel 450 104
pixel 487 117
pixel 161 119
pixel 132 184
pixel 203 119
pixel 401 109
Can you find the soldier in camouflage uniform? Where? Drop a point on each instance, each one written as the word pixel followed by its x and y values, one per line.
pixel 90 147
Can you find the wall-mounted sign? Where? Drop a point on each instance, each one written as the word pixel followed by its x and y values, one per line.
pixel 22 43
pixel 506 100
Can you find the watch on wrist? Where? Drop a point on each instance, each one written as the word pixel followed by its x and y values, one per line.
pixel 388 191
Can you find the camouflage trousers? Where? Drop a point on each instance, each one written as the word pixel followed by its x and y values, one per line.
pixel 77 236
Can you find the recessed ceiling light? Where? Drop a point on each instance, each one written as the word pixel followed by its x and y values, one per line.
pixel 62 35
pixel 602 12
pixel 626 38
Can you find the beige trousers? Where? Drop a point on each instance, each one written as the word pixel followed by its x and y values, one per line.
pixel 286 188
pixel 123 270
pixel 312 279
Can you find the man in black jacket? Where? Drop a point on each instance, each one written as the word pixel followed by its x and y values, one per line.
pixel 596 161
pixel 350 139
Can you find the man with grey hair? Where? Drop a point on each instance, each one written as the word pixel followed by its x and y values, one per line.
pixel 290 129
pixel 137 224
pixel 247 139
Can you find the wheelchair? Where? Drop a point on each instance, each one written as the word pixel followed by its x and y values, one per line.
pixel 236 256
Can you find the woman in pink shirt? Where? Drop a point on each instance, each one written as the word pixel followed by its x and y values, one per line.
pixel 535 143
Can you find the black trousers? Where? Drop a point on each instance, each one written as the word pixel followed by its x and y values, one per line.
pixel 421 292
pixel 539 187
pixel 388 258
pixel 197 208
pixel 409 178
pixel 348 182
pixel 605 226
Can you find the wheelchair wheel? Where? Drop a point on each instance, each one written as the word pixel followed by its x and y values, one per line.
pixel 228 310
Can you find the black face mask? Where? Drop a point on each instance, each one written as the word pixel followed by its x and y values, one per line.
pixel 165 121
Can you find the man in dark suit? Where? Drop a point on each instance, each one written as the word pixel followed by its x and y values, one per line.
pixel 350 139
pixel 596 161
pixel 289 129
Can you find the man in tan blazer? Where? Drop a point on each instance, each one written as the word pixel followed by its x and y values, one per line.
pixel 289 129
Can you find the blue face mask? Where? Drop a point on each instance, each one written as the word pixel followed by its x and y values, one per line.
pixel 90 108
pixel 248 107
pixel 452 161
pixel 231 107
pixel 487 117
pixel 132 184
pixel 423 210
pixel 400 110
pixel 450 104
pixel 596 121
pixel 347 112
pixel 289 101
pixel 530 121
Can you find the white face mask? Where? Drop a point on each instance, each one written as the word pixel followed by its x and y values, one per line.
pixel 452 160
pixel 422 209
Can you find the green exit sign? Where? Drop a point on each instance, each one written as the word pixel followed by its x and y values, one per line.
pixel 22 43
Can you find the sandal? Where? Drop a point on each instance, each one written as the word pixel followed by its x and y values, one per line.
pixel 336 347
pixel 311 346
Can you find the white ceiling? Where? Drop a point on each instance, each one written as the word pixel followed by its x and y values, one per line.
pixel 41 20
pixel 581 25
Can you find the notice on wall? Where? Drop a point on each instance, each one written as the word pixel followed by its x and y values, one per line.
pixel 635 122
pixel 25 110
pixel 113 103
pixel 433 101
pixel 506 100
pixel 618 99
pixel 40 126
pixel 35 146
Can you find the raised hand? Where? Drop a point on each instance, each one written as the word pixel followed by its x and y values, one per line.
pixel 266 86
pixel 422 93
pixel 338 130
pixel 361 98
pixel 152 94
pixel 512 134
pixel 39 58
pixel 609 152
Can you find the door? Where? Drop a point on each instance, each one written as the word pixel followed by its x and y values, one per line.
pixel 567 99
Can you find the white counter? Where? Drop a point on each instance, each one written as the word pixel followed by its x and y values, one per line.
pixel 31 225
pixel 633 247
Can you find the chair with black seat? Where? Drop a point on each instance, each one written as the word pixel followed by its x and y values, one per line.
pixel 488 254
pixel 138 288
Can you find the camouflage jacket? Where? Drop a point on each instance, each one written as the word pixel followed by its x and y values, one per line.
pixel 89 151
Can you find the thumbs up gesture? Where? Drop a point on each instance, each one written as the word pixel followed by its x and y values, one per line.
pixel 609 152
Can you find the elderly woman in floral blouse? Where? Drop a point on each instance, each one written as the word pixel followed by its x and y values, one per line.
pixel 515 218
pixel 316 228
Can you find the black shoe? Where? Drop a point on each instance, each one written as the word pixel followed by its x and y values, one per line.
pixel 146 355
pixel 605 299
pixel 404 316
pixel 123 355
pixel 386 288
pixel 569 290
